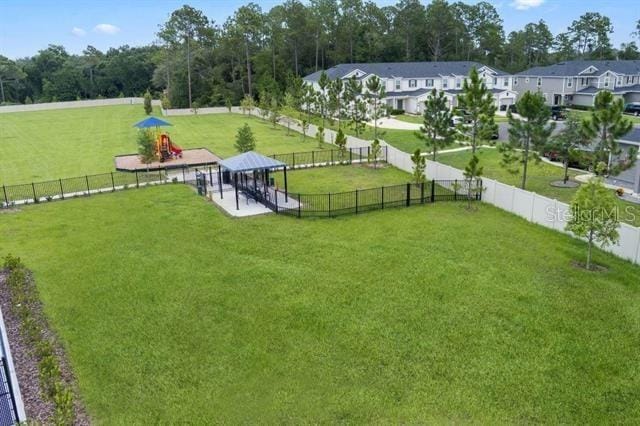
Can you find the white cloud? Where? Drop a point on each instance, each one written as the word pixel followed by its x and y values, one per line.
pixel 526 4
pixel 79 32
pixel 106 29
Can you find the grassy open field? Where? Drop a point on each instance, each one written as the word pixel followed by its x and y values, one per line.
pixel 321 180
pixel 55 144
pixel 539 177
pixel 174 313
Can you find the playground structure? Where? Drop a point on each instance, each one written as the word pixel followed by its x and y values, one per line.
pixel 166 149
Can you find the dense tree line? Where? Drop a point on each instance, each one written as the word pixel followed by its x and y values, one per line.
pixel 196 60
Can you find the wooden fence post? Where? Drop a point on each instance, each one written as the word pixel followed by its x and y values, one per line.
pixel 455 190
pixel 313 158
pixel 6 199
pixel 329 204
pixel 356 201
pixel 422 192
pixel 86 178
pixel 137 180
pixel 113 183
pixel 61 189
pixel 382 202
pixel 33 187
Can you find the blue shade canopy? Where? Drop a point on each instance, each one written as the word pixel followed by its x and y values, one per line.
pixel 249 161
pixel 151 122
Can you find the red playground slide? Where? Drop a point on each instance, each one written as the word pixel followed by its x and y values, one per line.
pixel 175 149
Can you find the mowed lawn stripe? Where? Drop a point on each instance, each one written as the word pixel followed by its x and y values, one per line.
pixel 172 312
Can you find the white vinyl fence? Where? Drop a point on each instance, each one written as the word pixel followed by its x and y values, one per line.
pixel 528 205
pixel 75 104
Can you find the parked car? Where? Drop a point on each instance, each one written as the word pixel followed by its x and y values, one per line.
pixel 558 113
pixel 632 108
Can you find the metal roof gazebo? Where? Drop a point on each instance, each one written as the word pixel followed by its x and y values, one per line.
pixel 250 172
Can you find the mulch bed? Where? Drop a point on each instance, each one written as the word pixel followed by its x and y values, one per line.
pixel 562 184
pixel 583 266
pixel 38 409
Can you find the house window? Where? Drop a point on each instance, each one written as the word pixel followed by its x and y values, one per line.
pixel 495 81
pixel 515 81
pixel 429 82
pixel 398 84
pixel 413 83
pixel 627 79
pixel 445 83
pixel 506 81
pixel 569 82
pixel 539 82
pixel 582 82
pixel 606 82
pixel 458 83
pixel 619 81
pixel 526 80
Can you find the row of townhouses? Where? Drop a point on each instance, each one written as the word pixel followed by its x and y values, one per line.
pixel 568 83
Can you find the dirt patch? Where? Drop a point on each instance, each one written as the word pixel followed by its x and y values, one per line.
pixel 380 165
pixel 563 184
pixel 594 267
pixel 9 211
pixel 37 408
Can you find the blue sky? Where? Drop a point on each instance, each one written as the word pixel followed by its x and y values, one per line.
pixel 27 26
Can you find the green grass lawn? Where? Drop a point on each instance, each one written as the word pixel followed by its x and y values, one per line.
pixel 341 178
pixel 409 118
pixel 404 140
pixel 171 313
pixel 539 177
pixel 43 145
pixel 587 114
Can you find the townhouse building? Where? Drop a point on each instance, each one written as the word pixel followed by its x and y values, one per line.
pixel 578 82
pixel 408 84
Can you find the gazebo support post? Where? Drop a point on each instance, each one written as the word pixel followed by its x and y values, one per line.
pixel 286 190
pixel 265 174
pixel 235 180
pixel 219 181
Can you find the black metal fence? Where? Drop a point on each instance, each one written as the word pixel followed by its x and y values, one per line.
pixel 363 200
pixel 331 156
pixel 8 409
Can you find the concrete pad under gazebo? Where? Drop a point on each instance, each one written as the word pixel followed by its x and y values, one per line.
pixel 250 175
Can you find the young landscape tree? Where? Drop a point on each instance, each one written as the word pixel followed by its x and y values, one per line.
pixel 375 95
pixel 477 107
pixel 290 104
pixel 605 126
pixel 436 130
pixel 146 147
pixel 247 104
pixel 419 166
pixel 147 102
pixel 245 141
pixel 341 143
pixel 374 153
pixel 472 172
pixel 274 111
pixel 527 135
pixel 320 136
pixel 356 106
pixel 569 141
pixel 321 97
pixel 336 97
pixel 594 216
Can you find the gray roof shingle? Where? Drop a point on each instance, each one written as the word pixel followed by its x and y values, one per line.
pixel 573 68
pixel 403 69
pixel 251 160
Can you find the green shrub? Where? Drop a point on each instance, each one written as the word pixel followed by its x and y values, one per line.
pixel 12 263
